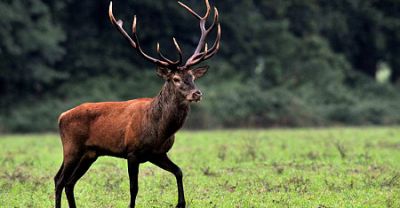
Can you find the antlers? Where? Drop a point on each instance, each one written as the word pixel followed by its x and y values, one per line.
pixel 201 53
pixel 199 56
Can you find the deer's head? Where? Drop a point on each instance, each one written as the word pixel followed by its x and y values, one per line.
pixel 176 73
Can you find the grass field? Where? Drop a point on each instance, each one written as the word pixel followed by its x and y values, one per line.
pixel 339 167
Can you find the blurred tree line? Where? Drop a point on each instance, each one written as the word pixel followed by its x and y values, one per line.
pixel 281 63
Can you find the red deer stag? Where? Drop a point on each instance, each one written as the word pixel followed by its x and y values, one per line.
pixel 139 130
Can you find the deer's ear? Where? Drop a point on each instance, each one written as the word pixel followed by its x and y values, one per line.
pixel 200 71
pixel 164 73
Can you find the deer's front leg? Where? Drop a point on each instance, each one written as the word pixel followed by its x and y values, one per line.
pixel 133 170
pixel 165 163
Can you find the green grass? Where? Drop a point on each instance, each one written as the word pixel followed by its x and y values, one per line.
pixel 339 167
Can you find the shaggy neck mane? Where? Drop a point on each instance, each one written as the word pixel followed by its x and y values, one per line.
pixel 168 110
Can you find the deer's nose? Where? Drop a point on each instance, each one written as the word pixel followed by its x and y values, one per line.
pixel 197 94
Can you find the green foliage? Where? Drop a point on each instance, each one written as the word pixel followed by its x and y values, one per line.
pixel 338 167
pixel 281 63
pixel 30 46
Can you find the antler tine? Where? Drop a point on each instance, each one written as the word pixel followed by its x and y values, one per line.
pixel 205 52
pixel 162 56
pixel 208 10
pixel 178 48
pixel 194 13
pixel 190 10
pixel 215 46
pixel 164 63
pixel 118 24
pixel 134 42
pixel 214 49
pixel 134 24
pixel 174 63
pixel 216 20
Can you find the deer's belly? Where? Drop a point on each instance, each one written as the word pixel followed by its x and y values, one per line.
pixel 154 148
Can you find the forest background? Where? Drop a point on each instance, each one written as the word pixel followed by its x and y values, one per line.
pixel 291 63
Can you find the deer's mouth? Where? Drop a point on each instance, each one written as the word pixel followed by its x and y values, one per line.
pixel 195 100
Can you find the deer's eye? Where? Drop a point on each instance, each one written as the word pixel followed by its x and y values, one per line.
pixel 176 80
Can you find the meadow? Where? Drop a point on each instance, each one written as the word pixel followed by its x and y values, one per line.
pixel 334 167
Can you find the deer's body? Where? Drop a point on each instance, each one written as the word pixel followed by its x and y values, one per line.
pixel 139 130
pixel 122 128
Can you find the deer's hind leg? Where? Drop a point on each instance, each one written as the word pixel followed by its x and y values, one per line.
pixel 80 169
pixel 62 176
pixel 58 173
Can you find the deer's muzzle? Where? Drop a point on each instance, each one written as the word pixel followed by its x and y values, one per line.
pixel 194 96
